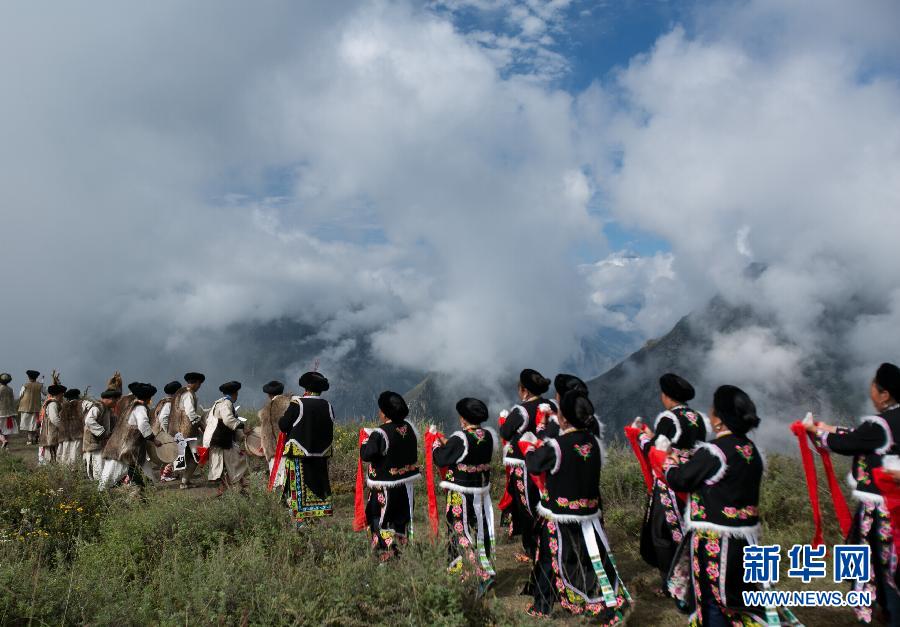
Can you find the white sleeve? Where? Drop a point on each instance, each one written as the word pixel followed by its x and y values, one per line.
pixel 227 415
pixel 53 413
pixel 143 420
pixel 187 404
pixel 164 416
pixel 21 391
pixel 90 421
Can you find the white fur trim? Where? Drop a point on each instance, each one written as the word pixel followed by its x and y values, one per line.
pixel 888 439
pixel 552 443
pixel 446 485
pixel 465 441
pixel 524 413
pixel 513 461
pixel 851 481
pixel 723 464
pixel 504 413
pixel 372 483
pixel 495 440
pixel 387 443
pixel 867 497
pixel 300 415
pixel 750 534
pixel 675 421
pixel 566 518
pixel 663 444
pixel 890 462
pixel 707 425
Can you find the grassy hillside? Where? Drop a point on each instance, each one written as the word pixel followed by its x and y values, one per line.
pixel 69 555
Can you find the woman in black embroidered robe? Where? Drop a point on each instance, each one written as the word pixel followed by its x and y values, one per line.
pixel 723 478
pixel 467 455
pixel 574 564
pixel 663 527
pixel 875 438
pixel 392 452
pixel 309 425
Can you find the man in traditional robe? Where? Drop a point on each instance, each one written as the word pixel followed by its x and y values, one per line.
pixel 308 424
pixel 125 452
pixel 163 409
pixel 99 421
pixel 71 428
pixel 48 437
pixel 8 425
pixel 269 416
pixel 30 398
pixel 185 418
pixel 222 436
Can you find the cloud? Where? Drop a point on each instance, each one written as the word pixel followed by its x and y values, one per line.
pixel 361 167
pixel 769 132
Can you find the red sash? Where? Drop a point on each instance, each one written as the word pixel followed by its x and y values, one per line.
pixel 841 510
pixel 506 500
pixel 631 434
pixel 359 507
pixel 430 439
pixel 279 453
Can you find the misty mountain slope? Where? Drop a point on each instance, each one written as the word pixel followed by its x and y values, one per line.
pixel 631 388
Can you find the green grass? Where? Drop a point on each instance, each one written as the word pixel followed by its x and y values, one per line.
pixel 69 555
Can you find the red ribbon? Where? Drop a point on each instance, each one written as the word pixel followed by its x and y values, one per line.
pixel 359 507
pixel 525 448
pixel 631 434
pixel 889 489
pixel 506 500
pixel 837 497
pixel 809 469
pixel 279 453
pixel 202 455
pixel 430 439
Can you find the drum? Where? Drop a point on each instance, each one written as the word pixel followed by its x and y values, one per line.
pixel 253 442
pixel 164 454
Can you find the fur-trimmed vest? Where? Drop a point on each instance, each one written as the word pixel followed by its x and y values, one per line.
pixel 157 411
pixel 269 416
pixel 690 426
pixel 49 433
pixel 472 471
pixel 399 464
pixel 125 443
pixel 71 421
pixel 572 486
pixel 30 401
pixel 861 478
pixel 91 442
pixel 7 401
pixel 179 421
pixel 728 501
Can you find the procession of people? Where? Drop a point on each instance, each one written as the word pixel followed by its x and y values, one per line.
pixel 704 476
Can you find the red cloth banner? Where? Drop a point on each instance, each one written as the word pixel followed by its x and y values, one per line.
pixel 279 453
pixel 430 439
pixel 809 469
pixel 359 507
pixel 837 497
pixel 631 434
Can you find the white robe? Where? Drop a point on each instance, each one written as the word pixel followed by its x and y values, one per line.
pixel 232 460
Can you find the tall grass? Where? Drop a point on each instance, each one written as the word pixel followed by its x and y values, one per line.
pixel 71 555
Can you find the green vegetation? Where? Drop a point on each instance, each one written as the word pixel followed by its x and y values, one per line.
pixel 70 555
